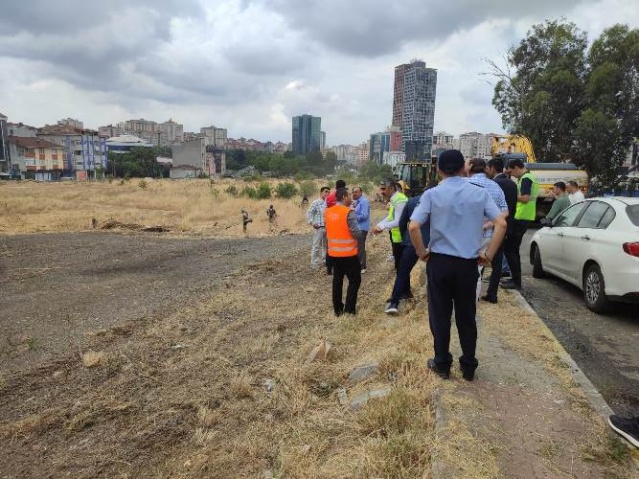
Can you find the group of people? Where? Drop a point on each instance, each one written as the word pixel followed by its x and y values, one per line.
pixel 271 214
pixel 475 216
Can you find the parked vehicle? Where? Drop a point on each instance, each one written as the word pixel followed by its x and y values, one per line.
pixel 594 245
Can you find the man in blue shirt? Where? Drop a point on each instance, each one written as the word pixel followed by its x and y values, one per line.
pixel 456 210
pixel 363 212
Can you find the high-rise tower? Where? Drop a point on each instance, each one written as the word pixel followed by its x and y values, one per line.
pixel 414 107
pixel 307 134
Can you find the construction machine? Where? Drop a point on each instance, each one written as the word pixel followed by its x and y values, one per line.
pixel 418 175
pixel 510 147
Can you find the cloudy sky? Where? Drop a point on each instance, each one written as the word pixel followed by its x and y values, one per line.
pixel 250 65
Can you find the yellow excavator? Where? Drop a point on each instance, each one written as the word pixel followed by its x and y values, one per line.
pixel 509 147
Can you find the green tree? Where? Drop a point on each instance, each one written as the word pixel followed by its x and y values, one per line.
pixel 375 172
pixel 541 92
pixel 330 162
pixel 286 190
pixel 605 130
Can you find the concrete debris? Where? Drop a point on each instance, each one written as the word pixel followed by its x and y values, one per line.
pixel 365 371
pixel 362 398
pixel 342 397
pixel 270 385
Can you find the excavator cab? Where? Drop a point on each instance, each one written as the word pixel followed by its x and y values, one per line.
pixel 417 175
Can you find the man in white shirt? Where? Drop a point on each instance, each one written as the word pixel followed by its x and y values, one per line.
pixel 574 193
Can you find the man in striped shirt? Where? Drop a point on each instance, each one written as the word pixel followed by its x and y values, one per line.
pixel 315 218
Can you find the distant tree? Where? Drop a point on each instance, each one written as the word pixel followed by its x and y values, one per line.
pixel 375 172
pixel 330 162
pixel 285 190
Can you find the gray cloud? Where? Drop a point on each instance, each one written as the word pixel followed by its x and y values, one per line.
pixel 372 28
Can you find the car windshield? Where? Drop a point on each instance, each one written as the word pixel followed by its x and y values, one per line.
pixel 633 214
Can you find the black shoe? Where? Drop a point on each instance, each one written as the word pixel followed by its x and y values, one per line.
pixel 510 284
pixel 433 367
pixel 468 374
pixel 627 427
pixel 489 299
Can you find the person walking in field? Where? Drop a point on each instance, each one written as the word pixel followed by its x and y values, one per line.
pixel 342 232
pixel 272 217
pixel 315 218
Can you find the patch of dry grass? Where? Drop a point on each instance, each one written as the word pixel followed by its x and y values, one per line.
pixel 91 359
pixel 186 206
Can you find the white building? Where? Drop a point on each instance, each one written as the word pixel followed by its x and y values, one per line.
pixel 171 132
pixel 218 137
pixel 475 145
pixel 125 143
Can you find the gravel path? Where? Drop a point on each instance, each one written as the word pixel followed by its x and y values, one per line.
pixel 56 288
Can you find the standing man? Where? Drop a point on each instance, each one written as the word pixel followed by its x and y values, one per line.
pixel 456 210
pixel 562 201
pixel 402 288
pixel 525 212
pixel 315 218
pixel 397 202
pixel 245 220
pixel 495 171
pixel 342 233
pixel 363 213
pixel 272 217
pixel 574 193
pixel 477 176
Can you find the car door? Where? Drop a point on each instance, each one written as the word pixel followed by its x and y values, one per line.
pixel 585 239
pixel 552 253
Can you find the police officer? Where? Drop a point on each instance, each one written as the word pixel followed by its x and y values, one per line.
pixel 456 210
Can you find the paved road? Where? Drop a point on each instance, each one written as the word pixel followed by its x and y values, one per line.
pixel 605 347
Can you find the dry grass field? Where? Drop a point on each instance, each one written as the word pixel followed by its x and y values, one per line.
pixel 191 207
pixel 220 387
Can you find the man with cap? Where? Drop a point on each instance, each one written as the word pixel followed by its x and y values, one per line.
pixel 456 210
pixel 397 202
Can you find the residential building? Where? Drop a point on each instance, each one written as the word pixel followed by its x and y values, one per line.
pixel 363 151
pixel 392 158
pixel 475 145
pixel 20 129
pixel 218 137
pixel 38 159
pixel 5 159
pixel 109 131
pixel 443 140
pixel 85 149
pixel 306 134
pixel 72 122
pixel 189 159
pixel 171 132
pixel 418 108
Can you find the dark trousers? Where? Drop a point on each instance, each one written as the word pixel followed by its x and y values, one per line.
pixel 361 249
pixel 452 281
pixel 346 266
pixel 329 264
pixel 495 276
pixel 511 249
pixel 402 280
pixel 398 248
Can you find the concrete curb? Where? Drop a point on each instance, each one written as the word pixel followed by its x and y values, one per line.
pixel 594 397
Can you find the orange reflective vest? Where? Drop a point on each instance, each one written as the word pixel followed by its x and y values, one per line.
pixel 340 240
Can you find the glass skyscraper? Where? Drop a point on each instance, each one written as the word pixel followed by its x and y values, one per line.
pixel 307 134
pixel 414 96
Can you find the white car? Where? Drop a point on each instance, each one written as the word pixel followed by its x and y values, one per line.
pixel 593 244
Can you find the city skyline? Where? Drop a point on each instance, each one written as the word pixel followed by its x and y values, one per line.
pixel 251 66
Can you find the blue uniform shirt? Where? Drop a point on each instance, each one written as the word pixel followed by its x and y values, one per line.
pixel 363 212
pixel 456 210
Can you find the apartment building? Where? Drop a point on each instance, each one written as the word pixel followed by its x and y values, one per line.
pixel 38 159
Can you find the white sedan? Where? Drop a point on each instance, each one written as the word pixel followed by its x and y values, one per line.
pixel 593 244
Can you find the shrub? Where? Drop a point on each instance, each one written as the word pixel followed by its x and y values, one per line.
pixel 142 184
pixel 249 192
pixel 286 190
pixel 231 190
pixel 263 191
pixel 308 188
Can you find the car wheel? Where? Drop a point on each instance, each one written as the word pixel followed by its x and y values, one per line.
pixel 538 270
pixel 594 288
